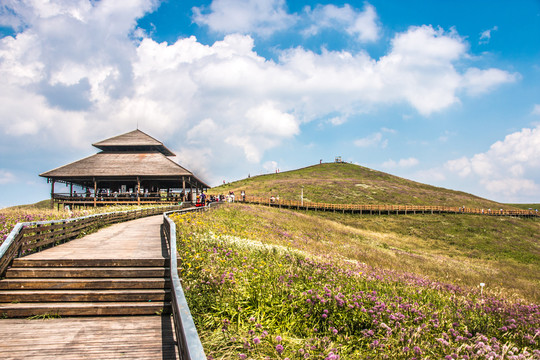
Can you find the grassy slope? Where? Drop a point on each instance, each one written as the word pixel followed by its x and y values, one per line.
pixel 352 184
pixel 268 283
pixel 466 250
pixel 526 206
pixel 43 204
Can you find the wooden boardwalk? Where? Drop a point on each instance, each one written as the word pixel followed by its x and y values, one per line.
pixel 88 280
pixel 384 209
pixel 114 337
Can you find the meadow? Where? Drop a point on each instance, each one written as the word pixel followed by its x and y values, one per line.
pixel 269 284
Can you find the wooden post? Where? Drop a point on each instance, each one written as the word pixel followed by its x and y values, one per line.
pixel 191 189
pixel 52 194
pixel 95 191
pixel 138 191
pixel 184 187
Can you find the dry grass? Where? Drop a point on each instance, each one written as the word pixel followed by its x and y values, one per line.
pixel 459 249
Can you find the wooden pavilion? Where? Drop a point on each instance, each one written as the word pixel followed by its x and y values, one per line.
pixel 132 168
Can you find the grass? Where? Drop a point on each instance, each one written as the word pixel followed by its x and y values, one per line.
pixel 46 316
pixel 43 204
pixel 526 206
pixel 267 283
pixel 352 184
pixel 502 252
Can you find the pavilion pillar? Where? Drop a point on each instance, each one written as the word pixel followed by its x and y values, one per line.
pixel 52 194
pixel 184 187
pixel 138 191
pixel 95 192
pixel 70 190
pixel 191 190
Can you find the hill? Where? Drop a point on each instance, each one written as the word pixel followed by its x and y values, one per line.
pixel 43 204
pixel 343 183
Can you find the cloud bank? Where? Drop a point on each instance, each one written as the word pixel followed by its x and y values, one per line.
pixel 81 70
pixel 508 168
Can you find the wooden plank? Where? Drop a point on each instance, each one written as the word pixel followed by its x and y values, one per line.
pixel 117 295
pixel 141 337
pixel 110 283
pixel 87 272
pixel 84 309
pixel 29 262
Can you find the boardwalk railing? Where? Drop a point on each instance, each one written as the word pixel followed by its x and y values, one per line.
pixel 189 343
pixel 30 237
pixel 384 209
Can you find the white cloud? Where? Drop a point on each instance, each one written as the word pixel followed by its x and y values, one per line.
pixel 461 166
pixel 536 109
pixel 74 72
pixel 6 177
pixel 429 176
pixel 262 17
pixel 387 130
pixel 266 119
pixel 373 140
pixel 360 24
pixel 511 186
pixel 265 17
pixel 476 81
pixel 402 163
pixel 270 166
pixel 338 120
pixel 509 166
pixel 485 36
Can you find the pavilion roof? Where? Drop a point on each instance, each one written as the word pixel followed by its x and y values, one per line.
pixel 120 164
pixel 135 140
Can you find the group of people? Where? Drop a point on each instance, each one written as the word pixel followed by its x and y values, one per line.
pixel 205 199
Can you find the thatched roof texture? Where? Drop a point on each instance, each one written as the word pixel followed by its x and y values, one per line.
pixel 135 140
pixel 131 155
pixel 118 164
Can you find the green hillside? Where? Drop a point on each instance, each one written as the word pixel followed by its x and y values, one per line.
pixel 264 282
pixel 344 183
pixel 43 204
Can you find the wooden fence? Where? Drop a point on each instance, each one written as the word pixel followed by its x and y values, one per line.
pixel 383 209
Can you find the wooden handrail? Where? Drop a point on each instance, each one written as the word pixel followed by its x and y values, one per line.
pixel 30 237
pixel 385 208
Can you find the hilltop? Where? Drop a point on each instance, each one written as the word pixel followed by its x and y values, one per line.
pixel 344 183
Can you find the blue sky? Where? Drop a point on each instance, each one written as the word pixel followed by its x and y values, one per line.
pixel 442 92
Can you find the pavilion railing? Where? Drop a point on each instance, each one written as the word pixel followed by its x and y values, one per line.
pixel 118 197
pixel 30 237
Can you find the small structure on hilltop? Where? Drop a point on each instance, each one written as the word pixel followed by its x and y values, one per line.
pixel 132 168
